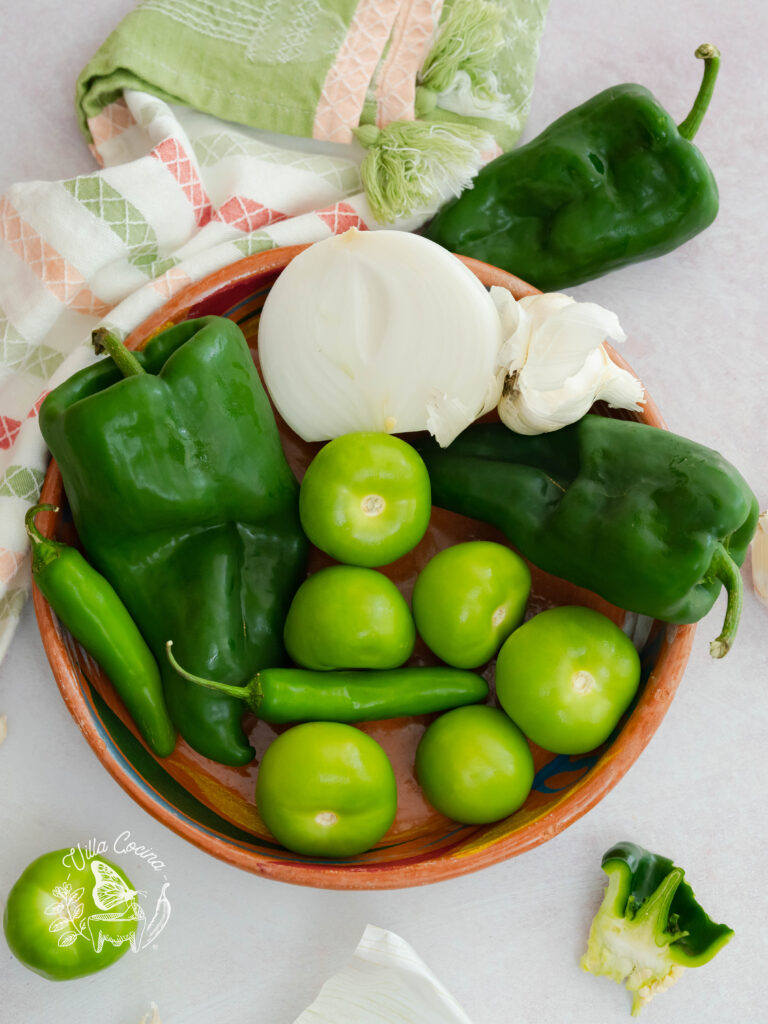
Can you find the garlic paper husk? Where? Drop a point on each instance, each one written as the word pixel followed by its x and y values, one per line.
pixel 380 331
pixel 760 558
pixel 555 363
pixel 153 1017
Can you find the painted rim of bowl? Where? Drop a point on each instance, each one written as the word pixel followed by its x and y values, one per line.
pixel 576 801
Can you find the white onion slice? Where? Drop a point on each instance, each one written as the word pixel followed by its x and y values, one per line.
pixel 383 331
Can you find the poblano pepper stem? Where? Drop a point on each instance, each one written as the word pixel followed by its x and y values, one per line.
pixel 711 57
pixel 281 695
pixel 725 569
pixel 126 362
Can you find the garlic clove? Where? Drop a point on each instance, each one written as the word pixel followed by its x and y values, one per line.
pixel 564 341
pixel 557 365
pixel 515 330
pixel 618 387
pixel 530 411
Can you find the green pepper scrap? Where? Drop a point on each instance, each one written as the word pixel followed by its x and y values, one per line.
pixel 282 695
pixel 97 618
pixel 654 523
pixel 649 927
pixel 183 499
pixel 611 182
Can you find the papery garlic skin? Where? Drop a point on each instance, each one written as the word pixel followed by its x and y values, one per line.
pixel 555 364
pixel 760 558
pixel 381 331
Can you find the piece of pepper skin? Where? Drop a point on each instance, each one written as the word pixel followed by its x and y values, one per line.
pixel 652 522
pixel 96 617
pixel 611 182
pixel 183 498
pixel 283 695
pixel 649 926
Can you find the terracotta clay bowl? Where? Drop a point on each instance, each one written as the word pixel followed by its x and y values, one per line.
pixel 213 806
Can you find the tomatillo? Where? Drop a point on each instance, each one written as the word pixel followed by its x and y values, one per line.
pixel 474 765
pixel 348 617
pixel 566 677
pixel 468 599
pixel 54 921
pixel 365 499
pixel 326 789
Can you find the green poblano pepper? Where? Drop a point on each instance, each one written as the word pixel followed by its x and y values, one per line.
pixel 649 927
pixel 183 499
pixel 611 182
pixel 654 523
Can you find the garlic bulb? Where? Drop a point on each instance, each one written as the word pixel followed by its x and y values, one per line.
pixel 383 331
pixel 555 363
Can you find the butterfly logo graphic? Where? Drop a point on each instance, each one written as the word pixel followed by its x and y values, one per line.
pixel 110 889
pixel 117 899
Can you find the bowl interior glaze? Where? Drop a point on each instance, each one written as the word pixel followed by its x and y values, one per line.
pixel 213 806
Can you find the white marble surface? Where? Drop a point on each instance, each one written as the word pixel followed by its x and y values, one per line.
pixel 506 941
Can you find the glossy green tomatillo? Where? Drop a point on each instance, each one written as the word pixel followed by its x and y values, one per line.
pixel 467 600
pixel 474 765
pixel 365 499
pixel 55 921
pixel 566 677
pixel 345 616
pixel 326 789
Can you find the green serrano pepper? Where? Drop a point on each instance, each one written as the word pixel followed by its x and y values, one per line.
pixel 97 618
pixel 281 695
